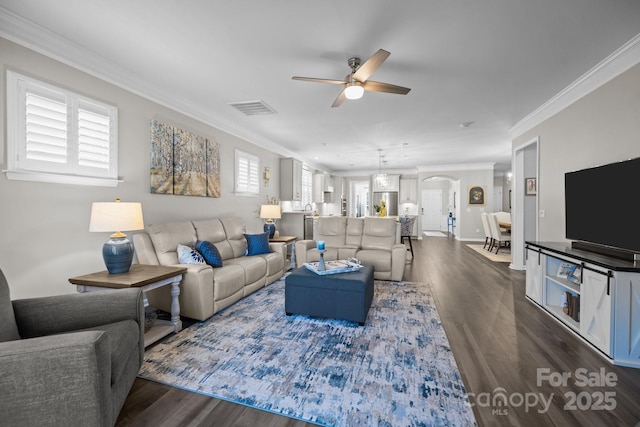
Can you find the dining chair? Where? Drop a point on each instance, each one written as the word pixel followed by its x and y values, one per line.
pixel 504 217
pixel 488 240
pixel 501 239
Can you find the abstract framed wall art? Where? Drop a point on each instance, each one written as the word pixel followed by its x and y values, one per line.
pixel 161 158
pixel 183 163
pixel 213 168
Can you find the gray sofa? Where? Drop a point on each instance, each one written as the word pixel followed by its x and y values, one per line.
pixel 205 290
pixel 68 360
pixel 373 241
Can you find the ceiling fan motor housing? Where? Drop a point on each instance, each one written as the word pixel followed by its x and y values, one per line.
pixel 354 63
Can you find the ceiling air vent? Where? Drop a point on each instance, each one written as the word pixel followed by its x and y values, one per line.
pixel 253 108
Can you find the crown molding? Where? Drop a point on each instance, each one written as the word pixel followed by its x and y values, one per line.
pixel 23 32
pixel 457 167
pixel 612 66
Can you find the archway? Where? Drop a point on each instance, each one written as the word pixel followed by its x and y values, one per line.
pixel 439 203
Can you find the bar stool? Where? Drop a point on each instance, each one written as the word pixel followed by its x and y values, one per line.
pixel 406 230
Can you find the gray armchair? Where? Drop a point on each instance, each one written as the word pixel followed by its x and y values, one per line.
pixel 68 359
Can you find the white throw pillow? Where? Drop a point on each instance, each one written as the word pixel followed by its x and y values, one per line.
pixel 187 255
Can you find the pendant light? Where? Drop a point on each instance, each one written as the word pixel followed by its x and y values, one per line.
pixel 381 179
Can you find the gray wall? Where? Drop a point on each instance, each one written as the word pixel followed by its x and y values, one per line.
pixel 468 222
pixel 600 128
pixel 45 238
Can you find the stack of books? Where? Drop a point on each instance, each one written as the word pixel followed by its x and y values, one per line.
pixel 571 305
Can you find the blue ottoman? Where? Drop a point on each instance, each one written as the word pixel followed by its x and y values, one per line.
pixel 344 296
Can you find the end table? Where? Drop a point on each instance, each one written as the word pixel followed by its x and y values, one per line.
pixel 146 277
pixel 288 241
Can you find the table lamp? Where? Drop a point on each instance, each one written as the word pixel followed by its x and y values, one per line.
pixel 270 212
pixel 116 216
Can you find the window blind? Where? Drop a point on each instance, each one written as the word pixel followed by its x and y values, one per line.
pixel 53 133
pixel 307 185
pixel 247 177
pixel 93 139
pixel 46 129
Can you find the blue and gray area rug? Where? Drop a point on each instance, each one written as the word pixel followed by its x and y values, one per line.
pixel 397 370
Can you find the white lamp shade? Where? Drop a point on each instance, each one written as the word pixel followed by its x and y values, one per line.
pixel 270 211
pixel 116 216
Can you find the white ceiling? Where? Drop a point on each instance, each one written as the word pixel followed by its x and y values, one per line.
pixel 491 62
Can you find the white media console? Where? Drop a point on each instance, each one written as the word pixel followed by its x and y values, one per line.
pixel 605 292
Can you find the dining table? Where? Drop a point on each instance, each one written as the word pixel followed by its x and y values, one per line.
pixel 505 225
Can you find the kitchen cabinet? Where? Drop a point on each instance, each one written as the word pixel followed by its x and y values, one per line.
pixel 290 179
pixel 408 191
pixel 322 188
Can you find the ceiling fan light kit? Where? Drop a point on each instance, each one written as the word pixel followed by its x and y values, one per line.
pixel 356 82
pixel 353 91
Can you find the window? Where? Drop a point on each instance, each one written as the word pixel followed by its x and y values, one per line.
pixel 58 136
pixel 307 185
pixel 247 179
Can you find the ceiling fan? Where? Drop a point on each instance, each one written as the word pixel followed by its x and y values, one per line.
pixel 357 81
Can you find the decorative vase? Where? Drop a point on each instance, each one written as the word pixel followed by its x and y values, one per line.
pixel 271 228
pixel 118 254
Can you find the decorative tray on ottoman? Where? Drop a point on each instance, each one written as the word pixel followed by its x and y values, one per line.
pixel 334 267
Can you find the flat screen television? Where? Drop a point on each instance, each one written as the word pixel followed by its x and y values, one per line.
pixel 601 205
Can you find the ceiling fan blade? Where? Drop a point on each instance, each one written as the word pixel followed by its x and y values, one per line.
pixel 385 87
pixel 312 79
pixel 371 65
pixel 339 100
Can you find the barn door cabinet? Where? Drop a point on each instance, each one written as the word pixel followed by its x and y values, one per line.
pixel 533 284
pixel 594 296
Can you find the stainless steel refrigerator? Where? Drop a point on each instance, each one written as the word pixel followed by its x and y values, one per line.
pixel 390 198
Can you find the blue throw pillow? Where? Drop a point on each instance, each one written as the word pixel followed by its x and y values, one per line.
pixel 210 253
pixel 257 243
pixel 188 255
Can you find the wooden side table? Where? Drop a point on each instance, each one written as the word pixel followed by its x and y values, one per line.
pixel 146 277
pixel 288 241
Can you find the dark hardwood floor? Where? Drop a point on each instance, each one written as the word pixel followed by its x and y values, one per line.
pixel 501 342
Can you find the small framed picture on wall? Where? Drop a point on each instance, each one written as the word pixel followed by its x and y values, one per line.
pixel 476 195
pixel 530 186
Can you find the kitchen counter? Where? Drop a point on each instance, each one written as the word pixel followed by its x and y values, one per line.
pixel 298 223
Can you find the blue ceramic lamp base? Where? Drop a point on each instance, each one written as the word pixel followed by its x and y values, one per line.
pixel 271 228
pixel 118 254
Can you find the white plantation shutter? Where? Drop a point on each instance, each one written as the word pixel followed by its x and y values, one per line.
pixel 307 185
pixel 58 136
pixel 46 129
pixel 247 173
pixel 94 139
